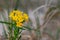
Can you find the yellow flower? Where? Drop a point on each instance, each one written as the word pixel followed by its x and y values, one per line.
pixel 20 20
pixel 19 17
pixel 25 16
pixel 14 18
pixel 11 14
pixel 18 24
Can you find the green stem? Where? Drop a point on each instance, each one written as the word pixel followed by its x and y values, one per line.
pixel 17 4
pixel 19 38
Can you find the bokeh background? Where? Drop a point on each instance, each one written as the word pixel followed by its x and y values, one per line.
pixel 44 18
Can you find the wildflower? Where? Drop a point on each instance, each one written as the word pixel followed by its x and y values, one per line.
pixel 19 17
pixel 25 16
pixel 18 24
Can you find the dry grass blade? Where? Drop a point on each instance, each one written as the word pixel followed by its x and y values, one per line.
pixel 44 26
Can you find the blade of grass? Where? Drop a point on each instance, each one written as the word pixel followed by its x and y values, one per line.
pixel 5 22
pixel 5 33
pixel 27 27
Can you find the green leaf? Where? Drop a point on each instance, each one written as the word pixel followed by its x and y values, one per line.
pixel 5 22
pixel 27 27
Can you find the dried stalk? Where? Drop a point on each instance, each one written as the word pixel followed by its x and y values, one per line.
pixel 47 21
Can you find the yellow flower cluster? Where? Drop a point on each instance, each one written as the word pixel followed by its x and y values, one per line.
pixel 19 17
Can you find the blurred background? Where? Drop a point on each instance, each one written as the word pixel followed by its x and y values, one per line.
pixel 44 18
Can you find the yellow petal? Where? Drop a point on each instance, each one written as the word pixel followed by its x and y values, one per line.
pixel 18 24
